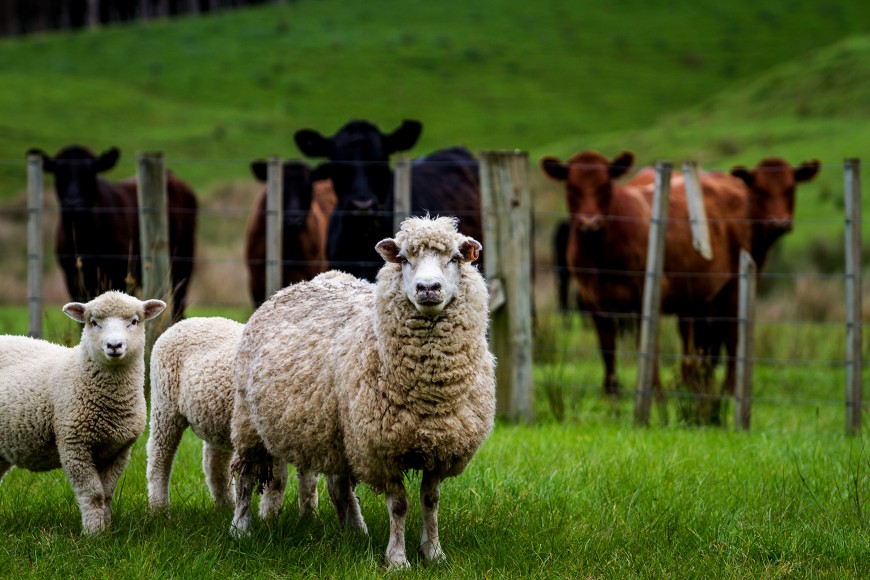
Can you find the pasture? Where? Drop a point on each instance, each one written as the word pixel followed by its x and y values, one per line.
pixel 582 492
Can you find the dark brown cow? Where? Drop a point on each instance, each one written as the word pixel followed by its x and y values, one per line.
pixel 444 182
pixel 307 204
pixel 98 234
pixel 608 242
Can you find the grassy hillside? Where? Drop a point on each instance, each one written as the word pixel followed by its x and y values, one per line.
pixel 217 90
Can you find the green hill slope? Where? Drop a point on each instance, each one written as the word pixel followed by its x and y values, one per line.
pixel 215 91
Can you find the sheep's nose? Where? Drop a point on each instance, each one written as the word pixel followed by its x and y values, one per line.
pixel 428 286
pixel 115 348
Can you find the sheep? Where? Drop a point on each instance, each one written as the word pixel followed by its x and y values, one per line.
pixel 80 408
pixel 365 382
pixel 191 385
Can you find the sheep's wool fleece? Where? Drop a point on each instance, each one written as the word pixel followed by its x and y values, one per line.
pixel 346 377
pixel 191 375
pixel 54 395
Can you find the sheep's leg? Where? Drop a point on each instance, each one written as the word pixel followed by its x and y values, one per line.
pixel 307 492
pixel 397 505
pixel 245 484
pixel 163 441
pixel 4 467
pixel 272 498
pixel 430 495
pixel 216 466
pixel 342 493
pixel 86 483
pixel 109 477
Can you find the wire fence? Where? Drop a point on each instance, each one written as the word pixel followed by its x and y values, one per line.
pixel 793 341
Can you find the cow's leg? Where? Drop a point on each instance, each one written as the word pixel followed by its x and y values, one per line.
pixel 430 495
pixel 216 467
pixel 605 327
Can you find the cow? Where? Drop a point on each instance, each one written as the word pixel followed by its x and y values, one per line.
pixel 97 242
pixel 769 190
pixel 607 246
pixel 307 204
pixel 444 182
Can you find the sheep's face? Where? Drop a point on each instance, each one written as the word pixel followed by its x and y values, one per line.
pixel 113 328
pixel 431 272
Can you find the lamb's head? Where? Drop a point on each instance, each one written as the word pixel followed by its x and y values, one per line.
pixel 430 253
pixel 113 328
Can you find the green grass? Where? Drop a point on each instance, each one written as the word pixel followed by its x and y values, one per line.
pixel 593 498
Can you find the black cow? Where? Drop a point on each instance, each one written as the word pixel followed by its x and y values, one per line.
pixel 445 182
pixel 97 242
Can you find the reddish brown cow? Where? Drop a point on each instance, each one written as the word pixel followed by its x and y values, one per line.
pixel 97 242
pixel 608 242
pixel 307 204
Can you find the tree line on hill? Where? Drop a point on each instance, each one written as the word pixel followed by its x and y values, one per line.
pixel 21 17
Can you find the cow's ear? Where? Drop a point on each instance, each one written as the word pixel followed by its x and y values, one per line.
pixel 389 250
pixel 47 162
pixel 260 169
pixel 313 144
pixel 404 137
pixel 807 170
pixel 107 160
pixel 554 168
pixel 621 164
pixel 743 174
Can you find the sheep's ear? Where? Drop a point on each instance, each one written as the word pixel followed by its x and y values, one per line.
pixel 153 308
pixel 470 249
pixel 389 250
pixel 75 310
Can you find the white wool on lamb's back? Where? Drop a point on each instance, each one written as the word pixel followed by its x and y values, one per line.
pixel 365 382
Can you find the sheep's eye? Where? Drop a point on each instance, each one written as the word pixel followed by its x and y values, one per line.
pixel 456 258
pixel 94 323
pixel 135 321
pixel 402 259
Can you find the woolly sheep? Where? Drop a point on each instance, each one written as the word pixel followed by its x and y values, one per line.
pixel 191 385
pixel 365 382
pixel 79 408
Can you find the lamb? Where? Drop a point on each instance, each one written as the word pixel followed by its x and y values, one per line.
pixel 365 382
pixel 191 385
pixel 79 408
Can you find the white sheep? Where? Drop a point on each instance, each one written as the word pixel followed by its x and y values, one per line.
pixel 191 386
pixel 79 408
pixel 365 382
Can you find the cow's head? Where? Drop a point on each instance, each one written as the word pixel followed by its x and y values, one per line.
pixel 359 161
pixel 588 179
pixel 75 170
pixel 772 194
pixel 296 190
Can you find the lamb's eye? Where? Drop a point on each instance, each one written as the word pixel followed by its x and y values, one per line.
pixel 135 321
pixel 94 323
pixel 456 259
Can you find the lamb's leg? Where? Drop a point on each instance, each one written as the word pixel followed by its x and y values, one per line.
pixel 430 495
pixel 272 498
pixel 307 493
pixel 342 493
pixel 397 505
pixel 82 474
pixel 244 466
pixel 216 466
pixel 109 476
pixel 4 467
pixel 163 441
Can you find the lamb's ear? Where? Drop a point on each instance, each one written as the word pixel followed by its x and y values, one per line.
pixel 470 249
pixel 153 308
pixel 75 310
pixel 389 250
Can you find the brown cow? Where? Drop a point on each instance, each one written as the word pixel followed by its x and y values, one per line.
pixel 608 242
pixel 97 243
pixel 307 204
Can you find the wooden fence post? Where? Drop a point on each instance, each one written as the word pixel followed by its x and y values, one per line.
pixel 853 296
pixel 745 342
pixel 35 198
pixel 401 191
pixel 274 225
pixel 697 211
pixel 154 241
pixel 652 292
pixel 506 212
